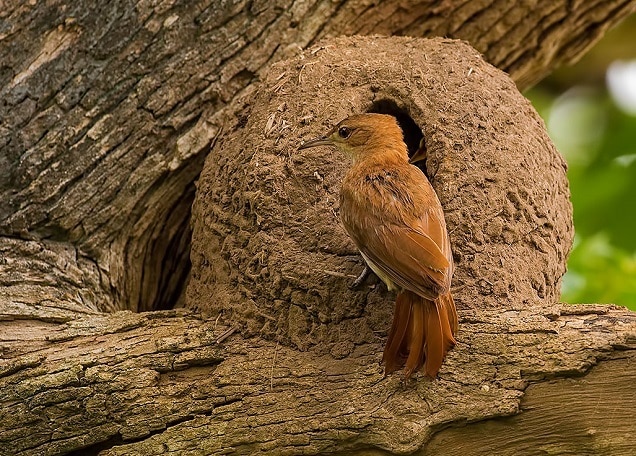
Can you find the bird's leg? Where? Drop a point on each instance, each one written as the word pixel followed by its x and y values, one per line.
pixel 361 278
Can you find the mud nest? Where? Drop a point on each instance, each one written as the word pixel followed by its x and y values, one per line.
pixel 269 253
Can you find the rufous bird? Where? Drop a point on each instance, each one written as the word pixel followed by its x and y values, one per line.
pixel 395 219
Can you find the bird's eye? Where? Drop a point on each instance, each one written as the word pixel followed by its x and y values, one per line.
pixel 344 132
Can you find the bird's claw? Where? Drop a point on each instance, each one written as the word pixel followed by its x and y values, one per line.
pixel 361 278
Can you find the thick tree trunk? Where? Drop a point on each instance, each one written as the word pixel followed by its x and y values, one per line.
pixel 107 112
pixel 159 383
pixel 109 108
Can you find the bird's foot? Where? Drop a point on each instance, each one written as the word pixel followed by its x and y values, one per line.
pixel 361 278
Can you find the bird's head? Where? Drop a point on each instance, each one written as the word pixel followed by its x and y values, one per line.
pixel 363 135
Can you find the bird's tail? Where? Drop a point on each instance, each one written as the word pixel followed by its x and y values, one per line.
pixel 421 334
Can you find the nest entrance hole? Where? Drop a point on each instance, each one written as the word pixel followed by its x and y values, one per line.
pixel 412 132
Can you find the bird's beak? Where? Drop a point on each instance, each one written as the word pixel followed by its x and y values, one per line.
pixel 316 142
pixel 420 155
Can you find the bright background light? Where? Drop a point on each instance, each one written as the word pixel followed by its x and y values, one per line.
pixel 590 113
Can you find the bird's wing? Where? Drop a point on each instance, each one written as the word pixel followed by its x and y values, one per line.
pixel 409 254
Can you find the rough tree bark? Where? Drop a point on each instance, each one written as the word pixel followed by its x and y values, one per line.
pixel 158 383
pixel 107 113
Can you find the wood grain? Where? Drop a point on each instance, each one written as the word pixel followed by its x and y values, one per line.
pixel 159 382
pixel 107 111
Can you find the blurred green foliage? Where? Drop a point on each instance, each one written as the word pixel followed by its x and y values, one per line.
pixel 598 140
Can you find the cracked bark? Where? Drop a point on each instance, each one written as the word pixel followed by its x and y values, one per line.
pixel 156 383
pixel 107 113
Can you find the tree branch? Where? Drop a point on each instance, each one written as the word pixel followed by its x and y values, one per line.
pixel 108 111
pixel 154 383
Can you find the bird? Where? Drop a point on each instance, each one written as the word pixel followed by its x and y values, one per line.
pixel 395 219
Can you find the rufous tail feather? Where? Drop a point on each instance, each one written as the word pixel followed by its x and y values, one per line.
pixel 421 334
pixel 395 350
